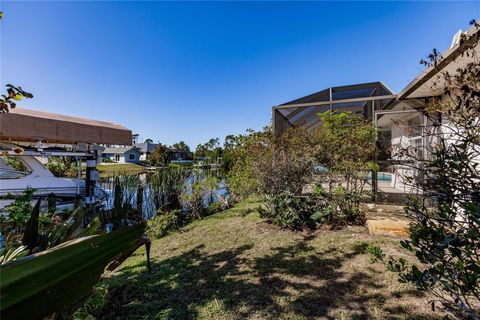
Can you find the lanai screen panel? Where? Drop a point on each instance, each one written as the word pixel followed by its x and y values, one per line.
pixel 402 138
pixel 360 99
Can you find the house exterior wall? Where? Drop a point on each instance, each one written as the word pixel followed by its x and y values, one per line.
pixel 131 156
pixel 108 156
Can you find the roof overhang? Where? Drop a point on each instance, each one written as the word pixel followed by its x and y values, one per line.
pixel 430 82
pixel 27 125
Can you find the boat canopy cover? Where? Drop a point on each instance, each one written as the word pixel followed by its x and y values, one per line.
pixel 32 125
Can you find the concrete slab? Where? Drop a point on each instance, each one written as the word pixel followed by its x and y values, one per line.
pixel 388 227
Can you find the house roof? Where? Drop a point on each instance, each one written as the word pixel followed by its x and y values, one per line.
pixel 31 125
pixel 430 81
pixel 178 150
pixel 119 150
pixel 146 147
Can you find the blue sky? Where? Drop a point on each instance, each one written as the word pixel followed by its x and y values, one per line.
pixel 190 71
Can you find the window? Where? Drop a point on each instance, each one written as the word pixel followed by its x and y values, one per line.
pixel 12 168
pixel 131 156
pixel 117 157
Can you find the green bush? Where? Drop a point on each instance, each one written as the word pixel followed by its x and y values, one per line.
pixel 215 207
pixel 290 211
pixel 240 153
pixel 164 222
pixel 194 194
pixel 310 211
pixel 20 210
pixel 341 207
pixel 279 167
pixel 15 164
pixel 62 166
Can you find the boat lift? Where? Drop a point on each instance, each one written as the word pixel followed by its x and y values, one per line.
pixel 30 133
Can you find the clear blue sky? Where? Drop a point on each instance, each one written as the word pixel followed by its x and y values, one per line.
pixel 175 71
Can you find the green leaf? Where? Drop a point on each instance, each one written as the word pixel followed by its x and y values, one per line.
pixel 38 285
pixel 30 236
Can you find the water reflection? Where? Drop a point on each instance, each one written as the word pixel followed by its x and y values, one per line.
pixel 163 189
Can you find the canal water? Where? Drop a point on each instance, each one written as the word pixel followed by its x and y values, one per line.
pixel 162 190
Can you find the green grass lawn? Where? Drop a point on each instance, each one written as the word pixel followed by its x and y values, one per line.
pixel 107 169
pixel 233 265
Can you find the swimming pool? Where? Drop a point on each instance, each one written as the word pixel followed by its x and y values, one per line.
pixel 382 176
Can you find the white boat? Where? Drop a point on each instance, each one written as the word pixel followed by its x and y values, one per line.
pixel 37 177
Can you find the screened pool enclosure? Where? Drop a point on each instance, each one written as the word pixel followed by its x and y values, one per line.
pixel 405 132
pixel 362 99
pixel 399 122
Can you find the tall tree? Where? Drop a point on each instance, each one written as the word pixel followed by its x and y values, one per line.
pixel 160 155
pixel 181 146
pixel 209 149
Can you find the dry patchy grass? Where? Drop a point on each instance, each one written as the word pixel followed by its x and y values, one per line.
pixel 233 265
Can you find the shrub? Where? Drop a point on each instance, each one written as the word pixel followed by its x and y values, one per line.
pixel 341 207
pixel 166 186
pixel 198 193
pixel 62 166
pixel 20 210
pixel 215 207
pixel 289 211
pixel 280 167
pixel 159 156
pixel 159 225
pixel 15 164
pixel 346 149
pixel 240 151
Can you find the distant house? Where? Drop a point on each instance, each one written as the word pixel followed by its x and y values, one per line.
pixel 177 154
pixel 122 154
pixel 146 149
